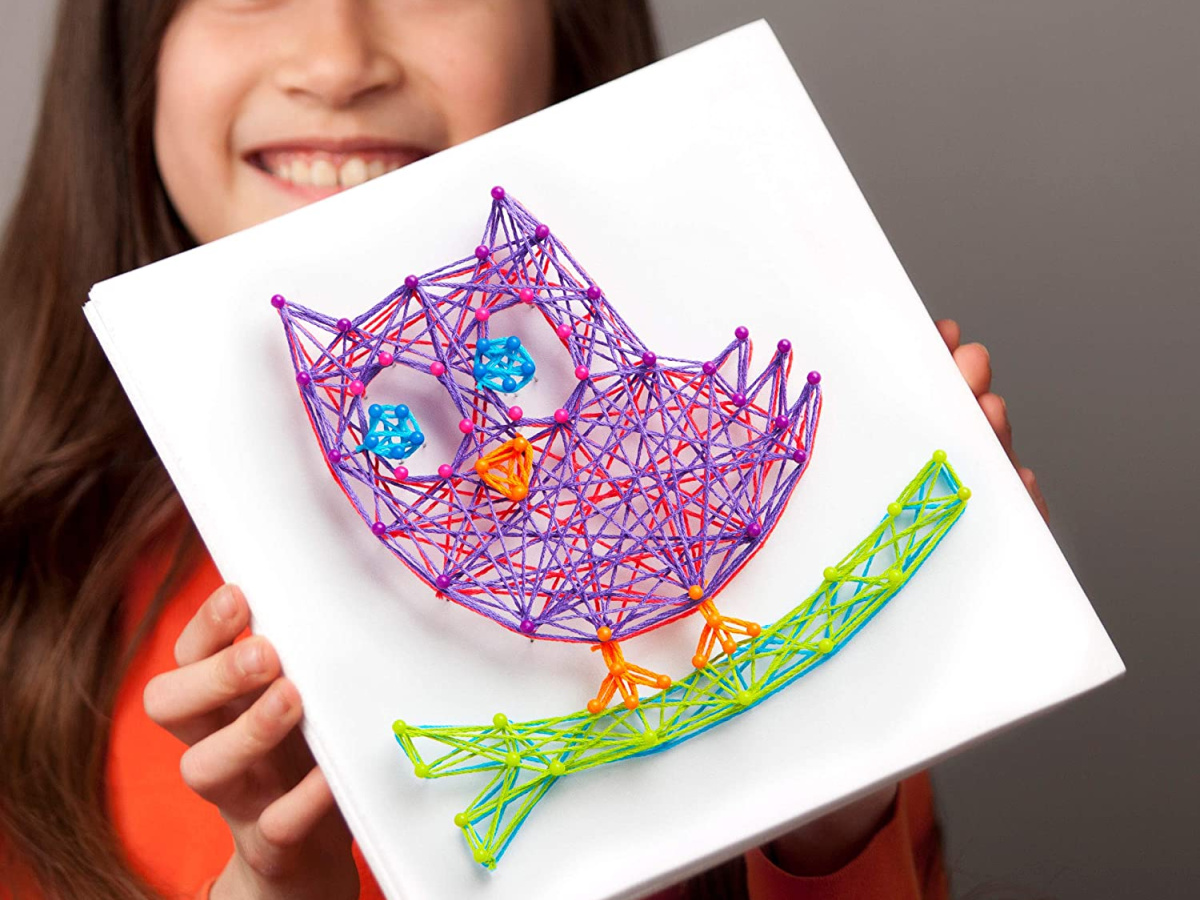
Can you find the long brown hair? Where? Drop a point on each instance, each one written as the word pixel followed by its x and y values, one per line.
pixel 82 493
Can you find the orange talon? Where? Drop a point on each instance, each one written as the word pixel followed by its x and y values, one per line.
pixel 622 676
pixel 720 629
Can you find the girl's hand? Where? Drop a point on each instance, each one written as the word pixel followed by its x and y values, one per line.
pixel 230 703
pixel 975 364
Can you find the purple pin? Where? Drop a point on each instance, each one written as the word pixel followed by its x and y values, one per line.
pixel 739 399
pixel 497 193
pixel 481 252
pixel 378 529
pixel 799 455
pixel 781 422
pixel 709 367
pixel 411 282
pixel 785 346
pixel 741 332
pixel 754 529
pixel 278 302
pixel 541 232
pixel 527 626
pixel 303 379
pixel 814 377
pixel 442 582
pixel 594 292
pixel 335 456
pixel 344 324
pixel 649 359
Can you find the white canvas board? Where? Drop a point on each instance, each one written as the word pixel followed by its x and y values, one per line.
pixel 702 192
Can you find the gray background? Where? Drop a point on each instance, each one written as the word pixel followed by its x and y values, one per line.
pixel 1036 164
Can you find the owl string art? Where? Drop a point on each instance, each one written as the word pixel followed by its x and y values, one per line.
pixel 629 506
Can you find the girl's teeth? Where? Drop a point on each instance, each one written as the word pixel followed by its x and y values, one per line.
pixel 352 172
pixel 301 173
pixel 324 174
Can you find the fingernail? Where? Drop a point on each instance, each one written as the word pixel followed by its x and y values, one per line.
pixel 277 704
pixel 251 658
pixel 225 605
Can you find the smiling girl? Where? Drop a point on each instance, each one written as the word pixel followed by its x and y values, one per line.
pixel 148 747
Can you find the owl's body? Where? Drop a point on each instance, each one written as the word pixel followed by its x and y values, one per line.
pixel 633 504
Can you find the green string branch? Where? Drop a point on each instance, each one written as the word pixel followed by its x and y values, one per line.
pixel 522 760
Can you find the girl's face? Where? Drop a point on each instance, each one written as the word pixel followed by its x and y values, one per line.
pixel 266 105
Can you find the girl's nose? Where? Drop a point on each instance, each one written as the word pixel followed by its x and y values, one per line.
pixel 336 57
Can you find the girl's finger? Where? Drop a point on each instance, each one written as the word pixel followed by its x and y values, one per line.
pixel 176 700
pixel 950 333
pixel 222 617
pixel 994 408
pixel 214 767
pixel 975 364
pixel 1035 492
pixel 288 820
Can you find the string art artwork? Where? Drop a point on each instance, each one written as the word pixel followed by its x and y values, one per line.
pixel 631 505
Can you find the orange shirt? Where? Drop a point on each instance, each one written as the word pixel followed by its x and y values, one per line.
pixel 180 844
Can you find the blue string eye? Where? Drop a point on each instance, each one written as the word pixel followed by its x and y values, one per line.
pixel 392 432
pixel 502 364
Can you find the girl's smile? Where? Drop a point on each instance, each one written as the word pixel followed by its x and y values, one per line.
pixel 312 168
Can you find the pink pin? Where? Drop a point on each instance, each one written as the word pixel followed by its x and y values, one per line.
pixel 437 369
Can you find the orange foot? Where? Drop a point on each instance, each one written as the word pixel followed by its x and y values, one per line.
pixel 622 676
pixel 720 629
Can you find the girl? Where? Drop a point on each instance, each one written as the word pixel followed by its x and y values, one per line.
pixel 168 123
